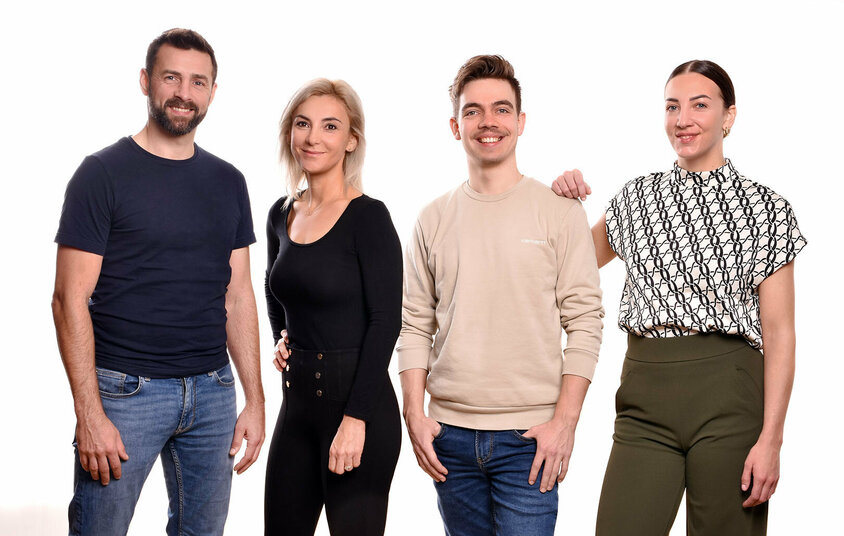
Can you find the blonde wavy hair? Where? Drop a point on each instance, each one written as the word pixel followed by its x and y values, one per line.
pixel 353 161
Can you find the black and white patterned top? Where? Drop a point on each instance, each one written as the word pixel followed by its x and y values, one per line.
pixel 696 247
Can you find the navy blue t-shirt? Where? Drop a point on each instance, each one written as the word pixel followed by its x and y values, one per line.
pixel 166 230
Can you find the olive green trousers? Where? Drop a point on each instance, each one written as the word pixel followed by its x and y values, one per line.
pixel 688 411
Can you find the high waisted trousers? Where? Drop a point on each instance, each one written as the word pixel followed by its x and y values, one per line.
pixel 688 411
pixel 298 481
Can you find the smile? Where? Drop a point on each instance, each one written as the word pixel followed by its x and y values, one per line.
pixel 491 140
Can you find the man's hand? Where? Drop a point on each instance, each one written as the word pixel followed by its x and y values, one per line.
pixel 100 447
pixel 422 430
pixel 763 464
pixel 554 443
pixel 347 447
pixel 570 184
pixel 250 426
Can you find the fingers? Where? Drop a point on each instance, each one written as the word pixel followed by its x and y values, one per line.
pixel 428 461
pixel 253 447
pixel 763 488
pixel 282 353
pixel 535 467
pixel 237 440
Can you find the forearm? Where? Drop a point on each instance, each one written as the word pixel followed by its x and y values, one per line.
pixel 75 335
pixel 242 340
pixel 570 402
pixel 778 379
pixel 413 382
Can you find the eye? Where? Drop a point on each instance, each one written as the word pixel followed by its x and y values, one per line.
pixel 503 110
pixel 700 105
pixel 199 83
pixel 468 113
pixel 301 124
pixel 170 78
pixel 671 108
pixel 331 126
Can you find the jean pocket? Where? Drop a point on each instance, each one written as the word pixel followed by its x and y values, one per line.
pixel 520 435
pixel 115 384
pixel 225 376
pixel 441 433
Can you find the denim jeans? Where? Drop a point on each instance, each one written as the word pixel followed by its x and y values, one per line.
pixel 189 422
pixel 486 491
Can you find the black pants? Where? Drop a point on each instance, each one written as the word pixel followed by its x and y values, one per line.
pixel 689 410
pixel 298 484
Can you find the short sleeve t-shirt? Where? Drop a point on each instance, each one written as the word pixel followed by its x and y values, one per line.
pixel 166 230
pixel 696 247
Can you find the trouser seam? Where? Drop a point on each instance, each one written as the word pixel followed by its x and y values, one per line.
pixel 179 486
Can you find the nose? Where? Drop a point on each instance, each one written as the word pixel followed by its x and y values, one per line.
pixel 314 136
pixel 684 117
pixel 183 89
pixel 487 121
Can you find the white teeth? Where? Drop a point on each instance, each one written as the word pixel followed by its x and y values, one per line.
pixel 490 140
pixel 181 109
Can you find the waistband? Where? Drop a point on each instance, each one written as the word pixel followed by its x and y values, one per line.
pixel 320 354
pixel 685 348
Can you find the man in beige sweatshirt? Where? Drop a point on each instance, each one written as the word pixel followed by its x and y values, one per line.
pixel 495 270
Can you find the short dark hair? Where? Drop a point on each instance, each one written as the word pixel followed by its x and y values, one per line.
pixel 479 68
pixel 182 39
pixel 714 72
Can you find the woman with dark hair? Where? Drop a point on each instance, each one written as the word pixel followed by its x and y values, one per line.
pixel 333 288
pixel 710 273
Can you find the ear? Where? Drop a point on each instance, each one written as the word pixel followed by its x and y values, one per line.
pixel 213 92
pixel 522 118
pixel 144 81
pixel 352 144
pixel 455 128
pixel 730 117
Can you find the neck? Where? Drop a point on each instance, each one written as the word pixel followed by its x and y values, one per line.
pixel 153 139
pixel 494 179
pixel 703 163
pixel 325 186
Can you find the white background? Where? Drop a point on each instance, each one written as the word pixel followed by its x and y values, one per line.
pixel 593 77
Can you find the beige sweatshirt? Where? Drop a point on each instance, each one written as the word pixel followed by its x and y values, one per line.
pixel 492 279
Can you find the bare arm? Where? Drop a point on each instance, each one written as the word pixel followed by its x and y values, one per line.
pixel 242 340
pixel 421 428
pixel 776 312
pixel 603 251
pixel 98 440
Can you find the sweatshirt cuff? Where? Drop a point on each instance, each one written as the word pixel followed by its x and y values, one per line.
pixel 579 363
pixel 411 358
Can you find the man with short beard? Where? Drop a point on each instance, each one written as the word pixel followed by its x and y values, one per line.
pixel 152 295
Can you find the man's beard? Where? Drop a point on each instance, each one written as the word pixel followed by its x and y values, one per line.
pixel 179 127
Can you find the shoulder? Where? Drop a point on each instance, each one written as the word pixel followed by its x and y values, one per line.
pixel 544 198
pixel 277 209
pixel 371 212
pixel 433 211
pixel 217 164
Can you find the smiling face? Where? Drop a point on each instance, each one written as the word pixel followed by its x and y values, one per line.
pixel 695 119
pixel 487 122
pixel 321 135
pixel 179 89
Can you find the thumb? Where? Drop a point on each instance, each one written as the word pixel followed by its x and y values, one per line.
pixel 745 476
pixel 237 440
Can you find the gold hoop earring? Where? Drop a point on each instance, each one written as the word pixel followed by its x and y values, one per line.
pixel 726 132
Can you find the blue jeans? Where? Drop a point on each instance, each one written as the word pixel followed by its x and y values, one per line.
pixel 486 491
pixel 189 422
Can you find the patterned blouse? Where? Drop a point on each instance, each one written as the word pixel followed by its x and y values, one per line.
pixel 696 246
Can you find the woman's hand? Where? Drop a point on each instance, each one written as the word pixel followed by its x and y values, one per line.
pixel 281 352
pixel 763 463
pixel 347 447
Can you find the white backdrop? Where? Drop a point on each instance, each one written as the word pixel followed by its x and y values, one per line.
pixel 592 74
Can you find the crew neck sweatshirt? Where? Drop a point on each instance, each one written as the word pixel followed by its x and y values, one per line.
pixel 492 281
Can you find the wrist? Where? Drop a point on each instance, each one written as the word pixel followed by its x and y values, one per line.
pixel 771 438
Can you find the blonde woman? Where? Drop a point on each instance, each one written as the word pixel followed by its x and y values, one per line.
pixel 333 287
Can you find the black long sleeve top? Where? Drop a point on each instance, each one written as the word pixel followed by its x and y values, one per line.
pixel 340 292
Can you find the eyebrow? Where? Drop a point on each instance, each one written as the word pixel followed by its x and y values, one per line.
pixel 503 102
pixel 306 118
pixel 672 99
